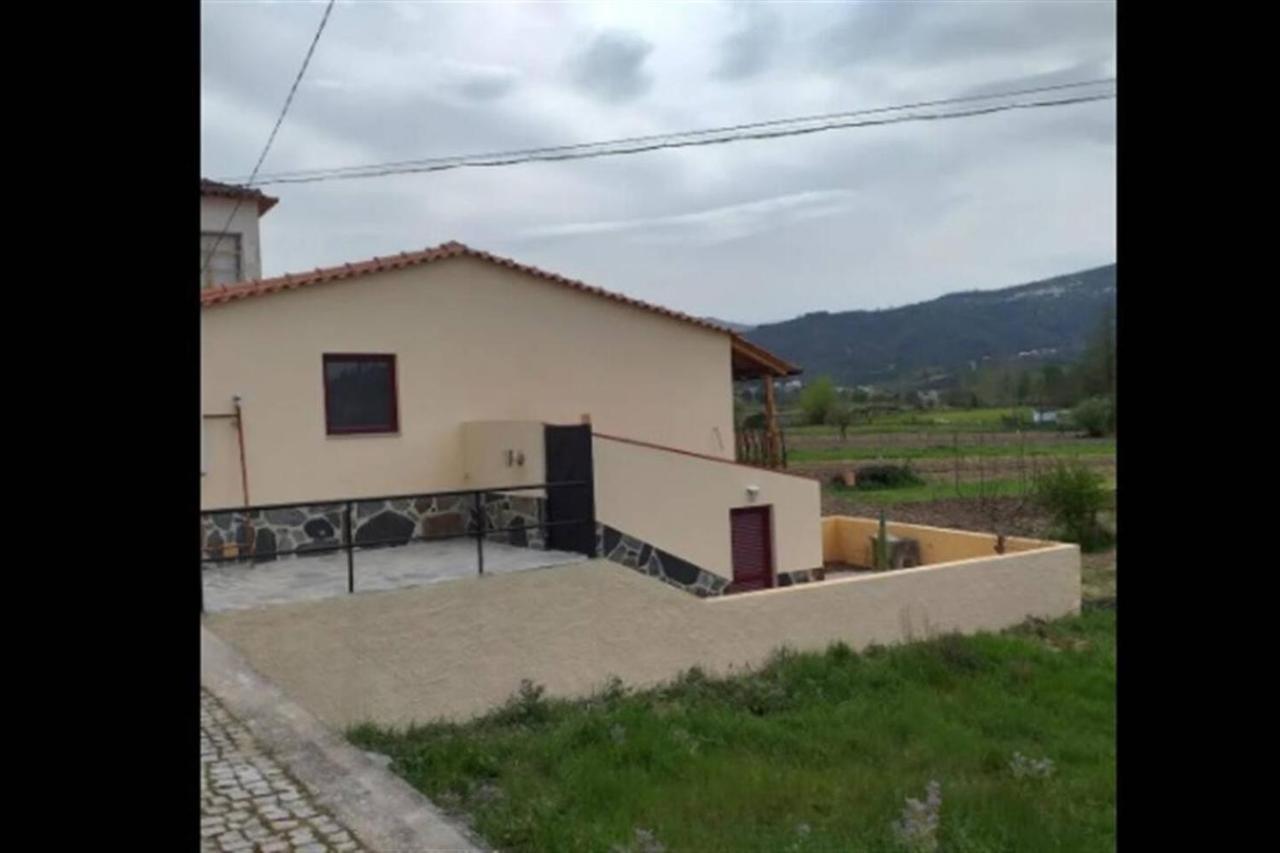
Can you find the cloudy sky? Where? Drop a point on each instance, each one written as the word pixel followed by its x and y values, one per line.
pixel 750 231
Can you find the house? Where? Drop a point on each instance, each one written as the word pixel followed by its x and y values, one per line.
pixel 455 369
pixel 928 399
pixel 229 245
pixel 1044 416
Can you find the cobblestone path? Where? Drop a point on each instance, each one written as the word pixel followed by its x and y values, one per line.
pixel 248 802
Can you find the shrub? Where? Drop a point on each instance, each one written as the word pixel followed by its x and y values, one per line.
pixel 887 477
pixel 817 400
pixel 1096 416
pixel 1072 493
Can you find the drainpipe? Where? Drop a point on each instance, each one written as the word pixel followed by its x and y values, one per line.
pixel 244 473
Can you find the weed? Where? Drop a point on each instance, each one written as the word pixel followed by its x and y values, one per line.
pixel 917 829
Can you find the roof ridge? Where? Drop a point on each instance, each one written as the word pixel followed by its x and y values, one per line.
pixel 225 293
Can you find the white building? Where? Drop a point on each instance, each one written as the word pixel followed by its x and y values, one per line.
pixel 226 258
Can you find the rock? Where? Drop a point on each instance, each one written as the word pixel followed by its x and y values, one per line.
pixel 286 517
pixel 679 570
pixel 383 761
pixel 385 528
pixel 318 528
pixel 264 545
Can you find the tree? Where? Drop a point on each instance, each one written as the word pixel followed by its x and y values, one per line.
pixel 1023 391
pixel 817 399
pixel 1098 364
pixel 841 415
pixel 1055 385
pixel 1096 416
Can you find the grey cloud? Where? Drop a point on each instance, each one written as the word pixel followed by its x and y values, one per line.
pixel 750 49
pixel 611 68
pixel 1097 69
pixel 942 32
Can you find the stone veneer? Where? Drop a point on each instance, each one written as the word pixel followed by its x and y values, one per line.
pixel 318 527
pixel 644 558
pixel 640 555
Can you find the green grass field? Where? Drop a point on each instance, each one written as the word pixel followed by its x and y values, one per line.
pixel 937 420
pixel 813 752
pixel 1074 449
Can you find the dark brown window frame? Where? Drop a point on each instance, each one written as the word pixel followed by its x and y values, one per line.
pixel 380 429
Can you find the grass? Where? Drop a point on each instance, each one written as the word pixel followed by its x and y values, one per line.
pixel 1075 449
pixel 812 752
pixel 941 420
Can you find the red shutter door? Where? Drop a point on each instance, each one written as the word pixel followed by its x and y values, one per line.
pixel 752 548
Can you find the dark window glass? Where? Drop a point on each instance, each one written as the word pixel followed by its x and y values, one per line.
pixel 360 393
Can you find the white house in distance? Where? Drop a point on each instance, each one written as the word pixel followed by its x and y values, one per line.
pixel 455 369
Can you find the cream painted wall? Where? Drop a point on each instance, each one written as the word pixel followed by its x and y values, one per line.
pixel 214 211
pixel 484 452
pixel 847 539
pixel 681 504
pixel 474 341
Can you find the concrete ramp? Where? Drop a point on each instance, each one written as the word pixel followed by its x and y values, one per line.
pixel 458 648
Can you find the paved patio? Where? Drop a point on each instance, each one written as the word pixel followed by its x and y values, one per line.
pixel 232 586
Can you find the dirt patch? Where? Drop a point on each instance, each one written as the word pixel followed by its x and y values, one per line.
pixel 1008 515
pixel 1098 576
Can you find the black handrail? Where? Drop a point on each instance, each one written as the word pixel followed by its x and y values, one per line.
pixel 479 523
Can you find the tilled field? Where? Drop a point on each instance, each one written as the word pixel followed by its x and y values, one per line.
pixel 944 470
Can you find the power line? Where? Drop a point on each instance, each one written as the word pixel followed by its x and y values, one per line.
pixel 272 138
pixel 674 141
pixel 277 177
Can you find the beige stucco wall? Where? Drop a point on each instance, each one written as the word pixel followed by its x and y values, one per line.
pixel 457 649
pixel 681 504
pixel 484 452
pixel 214 211
pixel 847 539
pixel 474 341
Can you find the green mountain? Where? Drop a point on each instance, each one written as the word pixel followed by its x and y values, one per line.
pixel 1048 320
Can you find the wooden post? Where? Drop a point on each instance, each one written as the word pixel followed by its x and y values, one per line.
pixel 771 424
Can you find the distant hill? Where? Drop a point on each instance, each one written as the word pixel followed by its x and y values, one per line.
pixel 736 327
pixel 1045 320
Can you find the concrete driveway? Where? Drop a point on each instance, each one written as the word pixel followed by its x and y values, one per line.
pixel 237 586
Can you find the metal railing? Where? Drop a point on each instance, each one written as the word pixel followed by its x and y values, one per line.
pixel 477 526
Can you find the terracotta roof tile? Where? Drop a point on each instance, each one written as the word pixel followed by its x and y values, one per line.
pixel 222 294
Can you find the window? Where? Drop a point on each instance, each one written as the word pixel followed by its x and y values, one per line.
pixel 224 266
pixel 360 394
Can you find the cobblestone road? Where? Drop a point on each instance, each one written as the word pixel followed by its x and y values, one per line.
pixel 249 803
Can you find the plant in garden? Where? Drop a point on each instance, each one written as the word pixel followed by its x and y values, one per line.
pixel 882 545
pixel 1073 494
pixel 917 829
